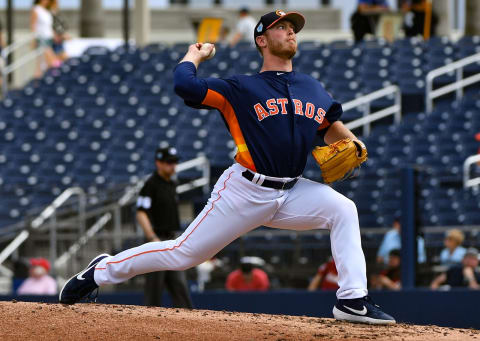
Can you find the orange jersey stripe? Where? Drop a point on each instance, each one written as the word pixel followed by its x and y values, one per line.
pixel 176 246
pixel 216 100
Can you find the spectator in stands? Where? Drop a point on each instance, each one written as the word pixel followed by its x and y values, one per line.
pixel 245 27
pixel 365 19
pixel 249 277
pixel 60 31
pixel 39 281
pixel 461 275
pixel 453 252
pixel 393 241
pixel 326 277
pixel 414 21
pixel 41 24
pixel 204 271
pixel 390 277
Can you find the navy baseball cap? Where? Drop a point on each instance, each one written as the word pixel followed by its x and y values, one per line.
pixel 270 19
pixel 166 154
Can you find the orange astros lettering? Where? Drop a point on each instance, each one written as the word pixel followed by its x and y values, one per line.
pixel 320 115
pixel 283 103
pixel 298 107
pixel 272 106
pixel 309 110
pixel 261 112
pixel 279 105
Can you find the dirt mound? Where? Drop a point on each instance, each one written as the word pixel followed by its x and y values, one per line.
pixel 46 321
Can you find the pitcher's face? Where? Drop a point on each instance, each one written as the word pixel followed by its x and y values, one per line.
pixel 282 40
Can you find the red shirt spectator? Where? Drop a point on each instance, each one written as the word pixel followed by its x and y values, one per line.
pixel 390 278
pixel 255 280
pixel 39 282
pixel 326 277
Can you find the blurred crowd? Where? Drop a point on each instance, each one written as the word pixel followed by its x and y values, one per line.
pixel 455 266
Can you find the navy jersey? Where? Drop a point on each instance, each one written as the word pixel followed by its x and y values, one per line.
pixel 273 117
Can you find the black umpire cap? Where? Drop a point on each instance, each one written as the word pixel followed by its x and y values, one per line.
pixel 166 154
pixel 270 19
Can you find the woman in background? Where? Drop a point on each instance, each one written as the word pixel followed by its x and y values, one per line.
pixel 454 251
pixel 41 24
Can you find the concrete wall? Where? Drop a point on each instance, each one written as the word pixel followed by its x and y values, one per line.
pixel 445 16
pixel 179 21
pixel 472 17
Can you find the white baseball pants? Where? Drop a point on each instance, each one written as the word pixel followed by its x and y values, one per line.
pixel 237 206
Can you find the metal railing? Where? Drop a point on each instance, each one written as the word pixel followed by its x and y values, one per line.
pixel 457 86
pixel 365 103
pixel 467 181
pixel 48 213
pixel 9 68
pixel 113 211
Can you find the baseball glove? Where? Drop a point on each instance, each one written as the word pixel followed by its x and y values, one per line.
pixel 339 160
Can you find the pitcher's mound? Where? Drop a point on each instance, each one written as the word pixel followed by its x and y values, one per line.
pixel 43 321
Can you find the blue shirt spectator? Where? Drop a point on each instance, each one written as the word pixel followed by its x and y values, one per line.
pixel 447 258
pixel 392 240
pixel 453 252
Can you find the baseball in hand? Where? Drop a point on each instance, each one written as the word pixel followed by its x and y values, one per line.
pixel 207 46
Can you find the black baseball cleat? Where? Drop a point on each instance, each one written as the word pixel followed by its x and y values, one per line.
pixel 361 310
pixel 82 284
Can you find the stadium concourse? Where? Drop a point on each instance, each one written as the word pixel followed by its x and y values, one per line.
pixel 95 121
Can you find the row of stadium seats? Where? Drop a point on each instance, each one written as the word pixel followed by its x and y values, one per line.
pixel 95 121
pixel 437 144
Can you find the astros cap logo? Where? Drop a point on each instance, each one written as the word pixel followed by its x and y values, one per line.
pixel 280 13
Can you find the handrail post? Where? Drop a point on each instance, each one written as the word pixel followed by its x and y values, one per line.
pixel 117 228
pixel 38 221
pixel 206 175
pixel 53 240
pixel 82 206
pixel 456 86
pixel 428 94
pixel 467 182
pixel 366 112
pixel 466 173
pixel 398 102
pixel 364 105
pixel 7 68
pixel 459 91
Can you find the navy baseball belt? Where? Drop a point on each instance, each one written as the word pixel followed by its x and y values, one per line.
pixel 270 183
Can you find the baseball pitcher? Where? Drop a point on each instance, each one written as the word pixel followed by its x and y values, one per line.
pixel 273 118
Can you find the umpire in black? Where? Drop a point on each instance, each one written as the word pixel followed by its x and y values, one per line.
pixel 157 214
